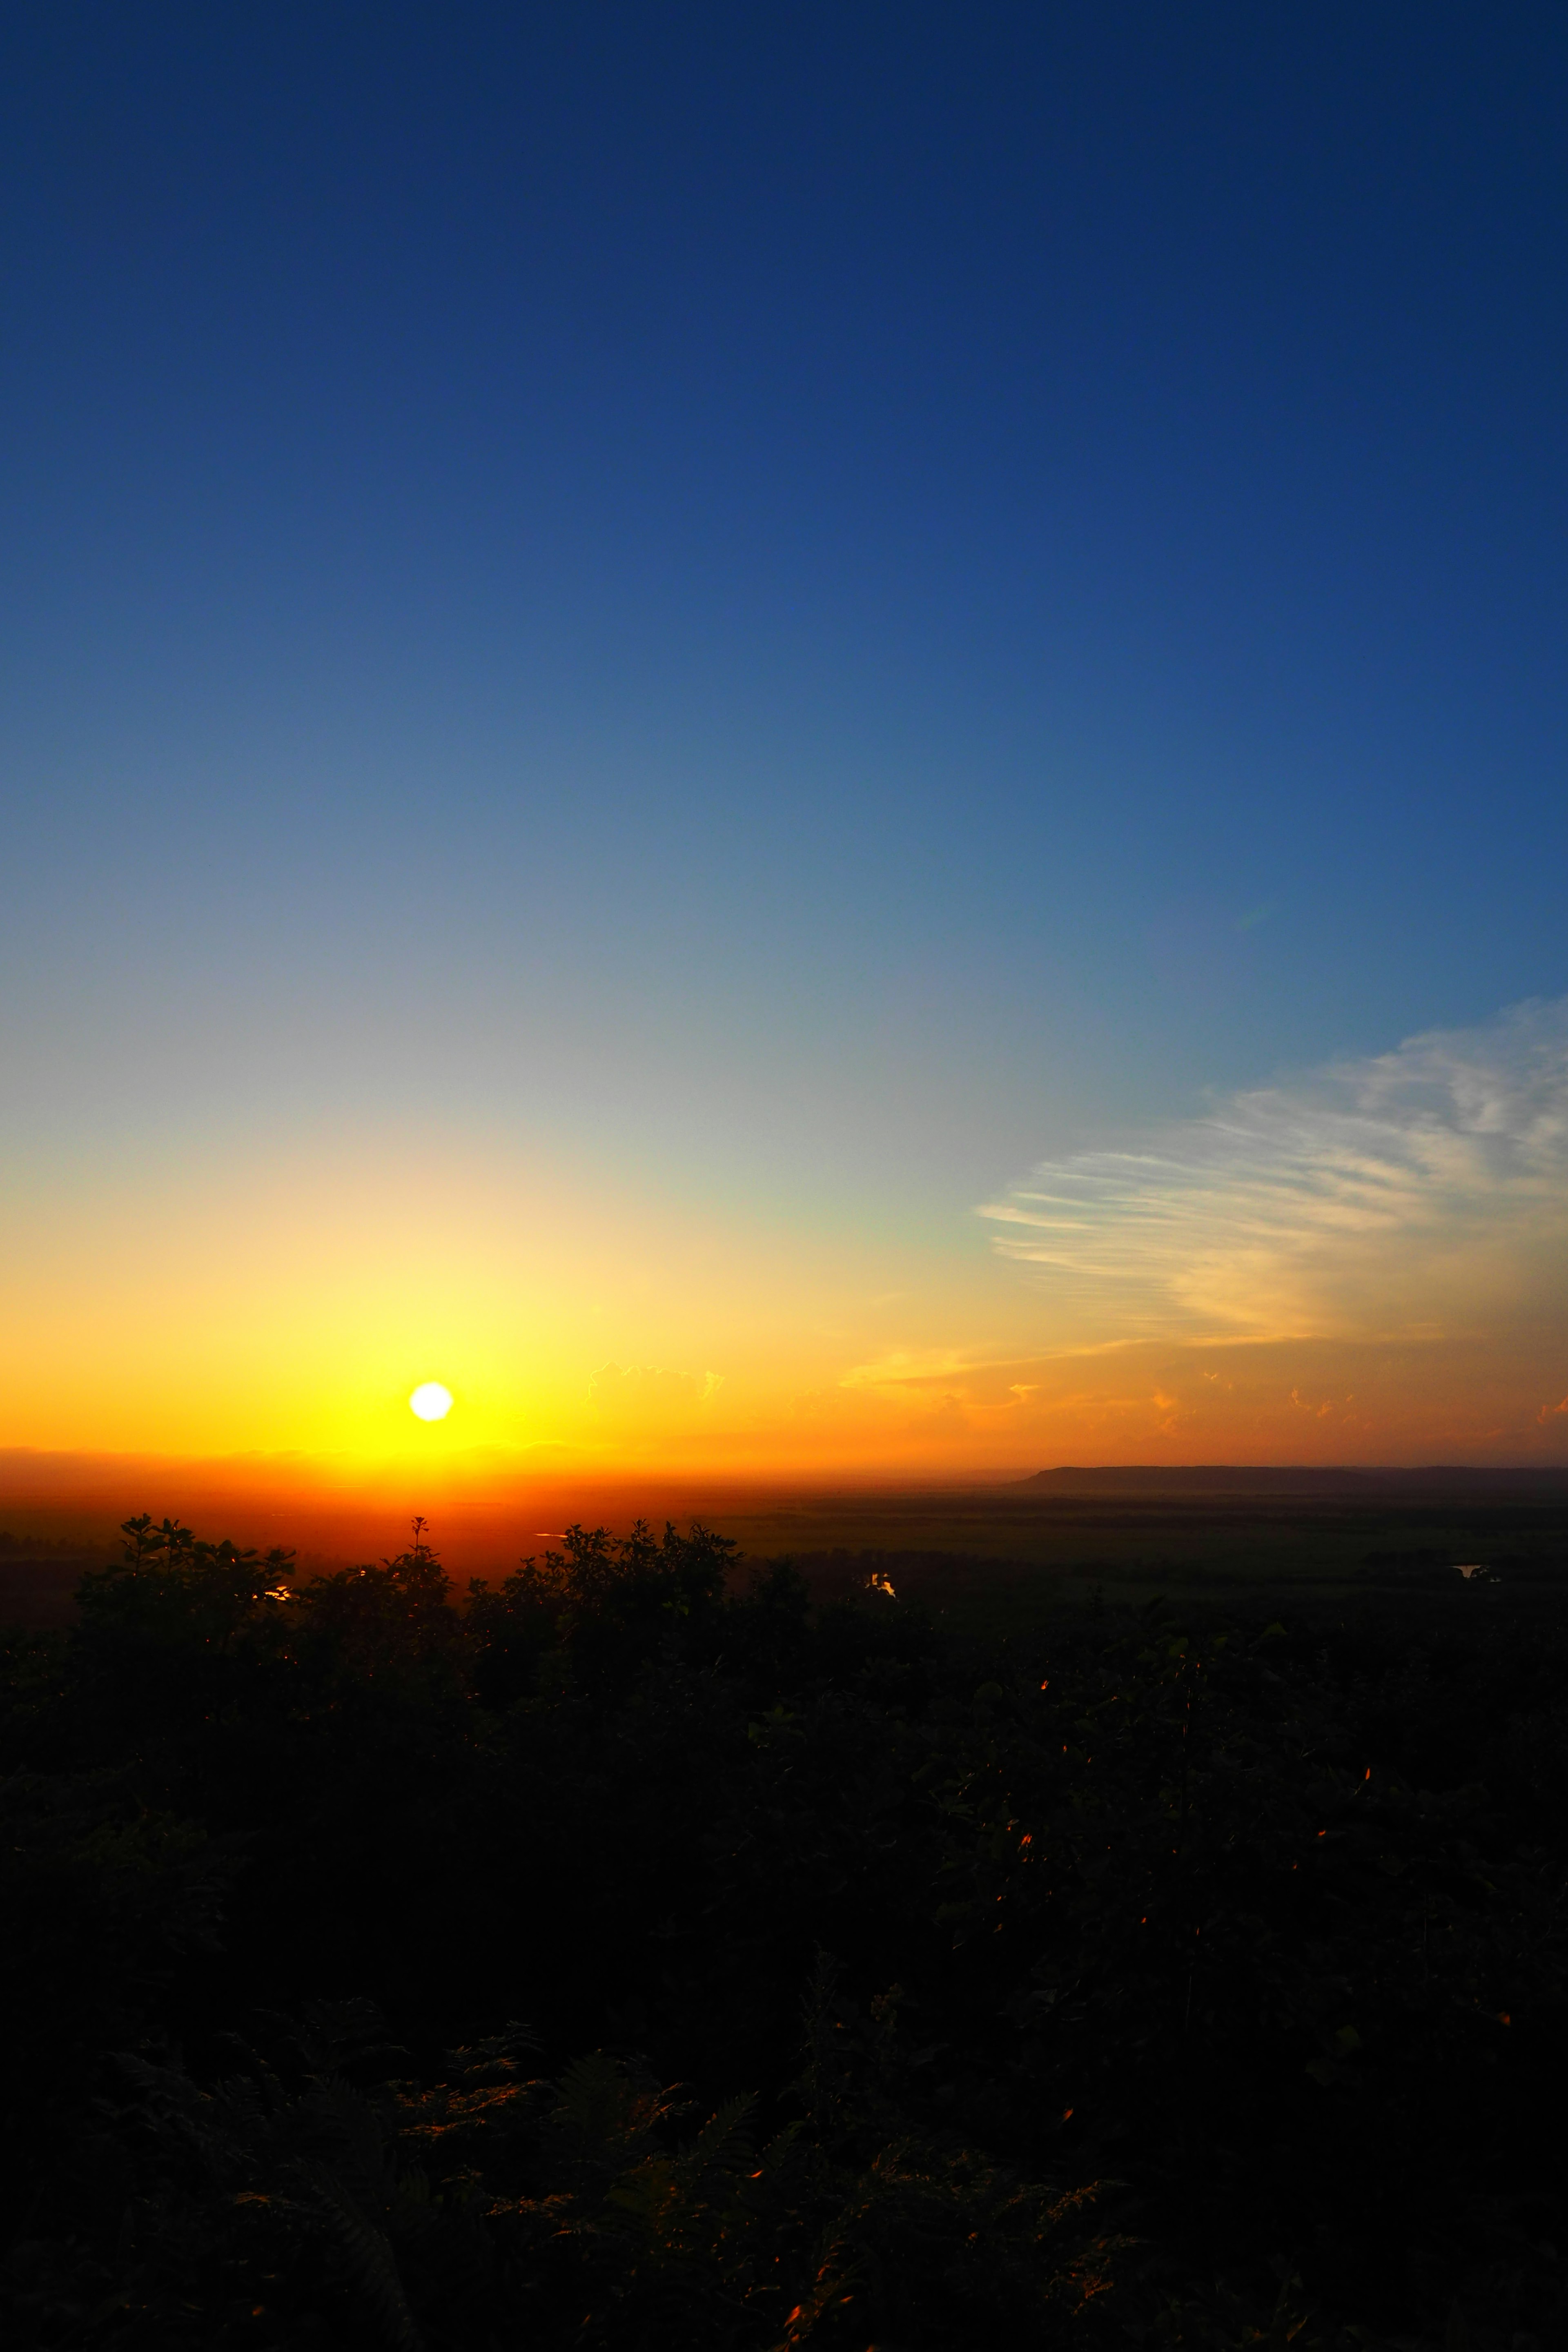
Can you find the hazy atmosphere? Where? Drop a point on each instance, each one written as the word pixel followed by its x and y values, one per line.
pixel 798 744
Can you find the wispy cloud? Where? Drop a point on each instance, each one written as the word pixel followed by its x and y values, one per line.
pixel 649 1390
pixel 1416 1193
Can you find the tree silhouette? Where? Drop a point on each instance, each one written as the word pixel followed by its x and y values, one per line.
pixel 1154 1976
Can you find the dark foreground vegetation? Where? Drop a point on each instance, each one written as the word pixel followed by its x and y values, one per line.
pixel 625 1959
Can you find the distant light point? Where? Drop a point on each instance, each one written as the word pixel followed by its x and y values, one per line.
pixel 431 1401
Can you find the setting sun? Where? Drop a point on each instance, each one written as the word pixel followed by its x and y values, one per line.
pixel 431 1401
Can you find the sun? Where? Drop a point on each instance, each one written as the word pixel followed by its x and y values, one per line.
pixel 431 1401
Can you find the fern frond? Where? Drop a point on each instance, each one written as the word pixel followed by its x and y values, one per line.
pixel 596 2101
pixel 370 2257
pixel 722 2140
pixel 352 2126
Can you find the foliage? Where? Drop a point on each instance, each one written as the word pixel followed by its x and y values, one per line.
pixel 1180 1981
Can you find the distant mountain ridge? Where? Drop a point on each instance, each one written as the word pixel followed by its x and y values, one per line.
pixel 1233 1479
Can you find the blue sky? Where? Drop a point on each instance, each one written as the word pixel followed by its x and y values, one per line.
pixel 786 614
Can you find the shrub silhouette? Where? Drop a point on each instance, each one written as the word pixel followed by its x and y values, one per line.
pixel 1160 1978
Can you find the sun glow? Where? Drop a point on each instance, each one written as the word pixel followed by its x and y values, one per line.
pixel 431 1401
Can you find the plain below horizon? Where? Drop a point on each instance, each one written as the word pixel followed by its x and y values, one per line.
pixel 1289 1478
pixel 484 1528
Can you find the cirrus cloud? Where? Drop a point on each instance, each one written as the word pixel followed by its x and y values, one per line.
pixel 1414 1194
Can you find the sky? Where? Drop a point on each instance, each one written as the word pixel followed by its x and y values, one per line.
pixel 827 738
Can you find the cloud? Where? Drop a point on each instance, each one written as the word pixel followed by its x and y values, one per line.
pixel 909 1368
pixel 1415 1194
pixel 649 1392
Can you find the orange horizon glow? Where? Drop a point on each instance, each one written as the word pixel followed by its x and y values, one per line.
pixel 1332 1276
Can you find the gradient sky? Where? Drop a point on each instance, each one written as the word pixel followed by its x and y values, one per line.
pixel 668 670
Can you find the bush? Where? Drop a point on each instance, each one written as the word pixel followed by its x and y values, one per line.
pixel 1198 1982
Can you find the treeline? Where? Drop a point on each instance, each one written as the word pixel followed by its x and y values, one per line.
pixel 618 1959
